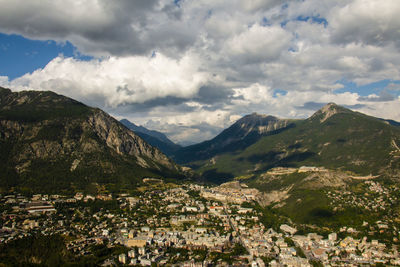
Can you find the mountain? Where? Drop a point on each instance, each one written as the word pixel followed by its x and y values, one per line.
pixel 391 122
pixel 243 133
pixel 334 137
pixel 154 138
pixel 49 142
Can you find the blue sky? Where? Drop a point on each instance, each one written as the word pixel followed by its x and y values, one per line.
pixel 191 68
pixel 20 55
pixel 368 89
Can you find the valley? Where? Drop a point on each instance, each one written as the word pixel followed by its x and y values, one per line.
pixel 168 224
pixel 265 191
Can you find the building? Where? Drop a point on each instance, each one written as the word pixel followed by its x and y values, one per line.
pixel 39 207
pixel 332 237
pixel 122 258
pixel 287 229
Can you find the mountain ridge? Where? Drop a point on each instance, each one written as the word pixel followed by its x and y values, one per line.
pixel 154 138
pixel 49 137
pixel 333 137
pixel 239 135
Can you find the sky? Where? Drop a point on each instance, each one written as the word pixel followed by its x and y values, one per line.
pixel 191 68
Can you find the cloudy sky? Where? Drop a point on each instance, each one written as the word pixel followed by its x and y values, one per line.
pixel 192 67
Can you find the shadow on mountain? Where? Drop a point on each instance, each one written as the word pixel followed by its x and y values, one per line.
pixel 223 143
pixel 341 140
pixel 270 156
pixel 295 146
pixel 296 157
pixel 217 177
pixel 321 213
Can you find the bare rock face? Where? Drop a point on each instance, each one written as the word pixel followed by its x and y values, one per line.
pixel 124 141
pixel 262 124
pixel 327 111
pixel 51 129
pixel 275 196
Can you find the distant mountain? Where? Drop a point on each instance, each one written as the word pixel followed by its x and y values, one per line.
pixel 50 142
pixel 154 138
pixel 391 122
pixel 240 135
pixel 334 137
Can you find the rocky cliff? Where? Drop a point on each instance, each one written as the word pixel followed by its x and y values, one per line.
pixel 71 141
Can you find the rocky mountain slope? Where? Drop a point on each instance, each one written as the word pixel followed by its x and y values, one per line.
pixel 243 133
pixel 49 141
pixel 154 138
pixel 334 137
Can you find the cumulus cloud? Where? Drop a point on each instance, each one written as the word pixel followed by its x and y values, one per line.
pixel 98 27
pixel 255 93
pixel 258 44
pixel 117 81
pixel 4 81
pixel 191 68
pixel 383 96
pixel 369 22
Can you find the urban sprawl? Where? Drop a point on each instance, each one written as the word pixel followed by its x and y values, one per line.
pixel 194 225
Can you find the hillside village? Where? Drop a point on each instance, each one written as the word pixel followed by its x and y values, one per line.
pixel 193 225
pixel 200 133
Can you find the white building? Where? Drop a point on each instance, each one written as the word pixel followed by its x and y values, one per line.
pixel 122 258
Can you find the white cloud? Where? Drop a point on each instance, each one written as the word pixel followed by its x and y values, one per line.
pixel 367 21
pixel 254 94
pixel 215 60
pixel 387 110
pixel 4 81
pixel 115 81
pixel 98 27
pixel 258 44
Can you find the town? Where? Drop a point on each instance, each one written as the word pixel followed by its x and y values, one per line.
pixel 193 225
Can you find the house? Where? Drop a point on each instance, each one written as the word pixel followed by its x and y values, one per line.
pixel 287 229
pixel 122 258
pixel 201 230
pixel 190 209
pixel 132 253
pixel 332 237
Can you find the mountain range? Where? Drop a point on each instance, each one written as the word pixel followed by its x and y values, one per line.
pixel 154 138
pixel 49 142
pixel 334 137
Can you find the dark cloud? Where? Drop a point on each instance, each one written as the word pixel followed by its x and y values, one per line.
pixel 195 66
pixel 173 11
pixel 99 27
pixel 316 106
pixel 179 104
pixel 384 96
pixel 375 23
pixel 211 94
pixel 355 106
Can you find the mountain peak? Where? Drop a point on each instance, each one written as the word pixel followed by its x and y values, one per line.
pixel 331 104
pixel 256 117
pixel 71 141
pixel 328 111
